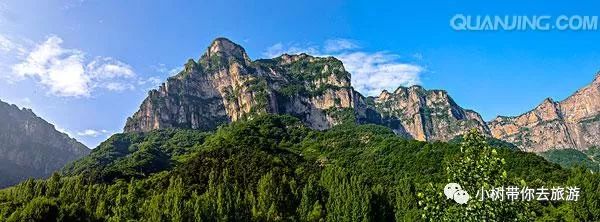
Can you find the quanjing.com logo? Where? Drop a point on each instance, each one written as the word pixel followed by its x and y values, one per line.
pixel 461 22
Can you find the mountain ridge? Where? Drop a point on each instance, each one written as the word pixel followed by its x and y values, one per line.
pixel 225 85
pixel 571 123
pixel 32 147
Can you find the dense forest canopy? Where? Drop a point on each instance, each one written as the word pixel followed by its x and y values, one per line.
pixel 273 168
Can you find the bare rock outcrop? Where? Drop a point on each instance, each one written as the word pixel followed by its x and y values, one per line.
pixel 571 123
pixel 428 115
pixel 224 85
pixel 30 147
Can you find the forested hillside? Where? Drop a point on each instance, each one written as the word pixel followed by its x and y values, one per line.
pixel 572 158
pixel 273 168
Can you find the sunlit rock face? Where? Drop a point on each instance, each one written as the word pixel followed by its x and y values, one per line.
pixel 428 115
pixel 571 123
pixel 225 85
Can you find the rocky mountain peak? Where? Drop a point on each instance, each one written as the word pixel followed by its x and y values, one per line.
pixel 571 123
pixel 548 100
pixel 416 87
pixel 226 48
pixel 32 147
pixel 385 95
pixel 226 85
pixel 427 114
pixel 597 79
pixel 288 59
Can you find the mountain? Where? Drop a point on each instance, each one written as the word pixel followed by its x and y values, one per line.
pixel 428 115
pixel 224 85
pixel 275 168
pixel 32 147
pixel 571 123
pixel 206 146
pixel 569 158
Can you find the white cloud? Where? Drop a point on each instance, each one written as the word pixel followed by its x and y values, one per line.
pixel 8 45
pixel 63 130
pixel 68 73
pixel 5 44
pixel 153 81
pixel 372 72
pixel 174 71
pixel 163 70
pixel 93 133
pixel 108 68
pixel 118 86
pixel 279 49
pixel 336 45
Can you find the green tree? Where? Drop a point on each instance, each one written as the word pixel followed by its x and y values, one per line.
pixel 349 196
pixel 310 208
pixel 477 167
pixel 39 209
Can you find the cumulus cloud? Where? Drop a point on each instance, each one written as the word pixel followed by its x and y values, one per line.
pixel 10 49
pixel 63 130
pixel 5 44
pixel 69 73
pixel 372 72
pixel 280 48
pixel 93 133
pixel 336 45
pixel 153 81
pixel 163 72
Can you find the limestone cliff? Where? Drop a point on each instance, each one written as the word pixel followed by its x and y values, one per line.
pixel 31 147
pixel 224 85
pixel 428 114
pixel 571 123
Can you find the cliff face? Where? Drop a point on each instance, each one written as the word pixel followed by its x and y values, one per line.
pixel 428 114
pixel 224 85
pixel 571 123
pixel 31 147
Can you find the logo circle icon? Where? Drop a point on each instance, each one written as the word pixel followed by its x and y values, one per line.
pixel 455 192
pixel 461 197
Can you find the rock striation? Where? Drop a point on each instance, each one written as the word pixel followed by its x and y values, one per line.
pixel 30 147
pixel 225 85
pixel 571 123
pixel 428 115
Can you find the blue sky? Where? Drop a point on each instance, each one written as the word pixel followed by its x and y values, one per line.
pixel 86 65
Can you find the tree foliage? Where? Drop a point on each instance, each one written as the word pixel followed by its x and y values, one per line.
pixel 272 168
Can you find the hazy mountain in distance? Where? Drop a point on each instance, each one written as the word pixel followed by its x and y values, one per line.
pixel 30 147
